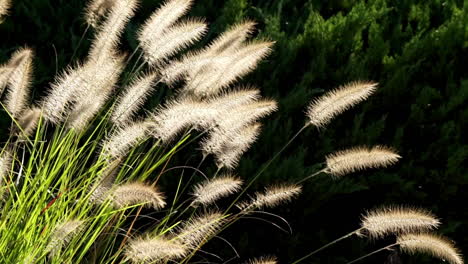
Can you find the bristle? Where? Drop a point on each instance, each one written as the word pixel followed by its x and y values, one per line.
pixel 271 197
pixel 359 158
pixel 19 81
pixel 28 122
pixel 233 146
pixel 199 229
pixel 123 139
pixel 226 69
pixel 211 190
pixel 89 100
pixel 172 40
pixel 4 7
pixel 107 38
pixel 433 245
pixel 132 99
pixel 130 194
pixel 263 260
pixel 322 110
pixel 96 10
pixel 163 18
pixel 63 234
pixel 154 250
pixel 396 220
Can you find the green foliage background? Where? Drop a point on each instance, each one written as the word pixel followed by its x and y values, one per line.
pixel 417 50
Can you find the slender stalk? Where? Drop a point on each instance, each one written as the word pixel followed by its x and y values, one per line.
pixel 311 176
pixel 327 245
pixel 389 247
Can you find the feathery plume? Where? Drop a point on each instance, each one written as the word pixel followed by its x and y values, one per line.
pixel 359 158
pixel 232 148
pixel 5 71
pixel 4 6
pixel 123 139
pixel 151 250
pixel 28 122
pixel 434 245
pixel 192 63
pixel 199 229
pixel 101 189
pixel 173 40
pixel 136 193
pixel 132 99
pixel 90 99
pixel 5 164
pixel 107 38
pixel 19 81
pixel 96 10
pixel 163 18
pixel 271 197
pixel 396 220
pixel 171 119
pixel 211 190
pixel 322 110
pixel 263 260
pixel 63 234
pixel 226 69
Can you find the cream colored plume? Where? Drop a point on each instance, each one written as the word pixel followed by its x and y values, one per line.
pixel 263 260
pixel 101 189
pixel 225 69
pixel 200 229
pixel 396 220
pixel 323 109
pixel 90 99
pixel 430 244
pixel 272 197
pixel 4 6
pixel 19 81
pixel 96 10
pixel 172 40
pixel 163 18
pixel 154 250
pixel 5 71
pixel 5 164
pixel 63 234
pixel 132 98
pixel 359 158
pixel 28 122
pixel 232 148
pixel 123 139
pixel 107 38
pixel 211 190
pixel 130 194
pixel 222 46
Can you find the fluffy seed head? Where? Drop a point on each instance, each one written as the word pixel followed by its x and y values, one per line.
pixel 271 197
pixel 163 18
pixel 211 190
pixel 430 244
pixel 96 10
pixel 100 191
pixel 151 250
pixel 359 158
pixel 4 6
pixel 63 234
pixel 322 110
pixel 397 220
pixel 199 229
pixel 173 40
pixel 19 81
pixel 132 99
pixel 263 260
pixel 137 193
pixel 28 122
pixel 5 164
pixel 232 38
pixel 123 139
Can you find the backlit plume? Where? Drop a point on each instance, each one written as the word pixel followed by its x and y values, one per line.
pixel 123 139
pixel 397 220
pixel 96 10
pixel 211 190
pixel 4 6
pixel 263 260
pixel 130 194
pixel 63 234
pixel 359 158
pixel 154 250
pixel 323 109
pixel 271 197
pixel 432 245
pixel 200 229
